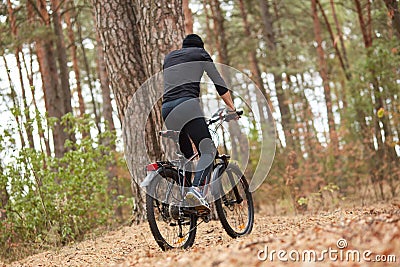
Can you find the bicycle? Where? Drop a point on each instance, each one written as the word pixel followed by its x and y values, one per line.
pixel 173 224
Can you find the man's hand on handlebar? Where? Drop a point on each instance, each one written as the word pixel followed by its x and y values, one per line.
pixel 225 115
pixel 232 114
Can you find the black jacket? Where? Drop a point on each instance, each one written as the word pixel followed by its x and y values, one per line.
pixel 183 70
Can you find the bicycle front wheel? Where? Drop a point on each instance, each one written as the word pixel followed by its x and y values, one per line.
pixel 170 227
pixel 235 209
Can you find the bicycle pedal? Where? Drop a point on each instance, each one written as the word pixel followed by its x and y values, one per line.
pixel 207 218
pixel 203 212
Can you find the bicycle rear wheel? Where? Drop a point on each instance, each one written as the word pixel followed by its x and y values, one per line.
pixel 235 209
pixel 170 227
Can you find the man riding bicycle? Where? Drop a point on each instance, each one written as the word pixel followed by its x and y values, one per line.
pixel 182 112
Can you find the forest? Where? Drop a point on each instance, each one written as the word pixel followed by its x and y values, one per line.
pixel 329 70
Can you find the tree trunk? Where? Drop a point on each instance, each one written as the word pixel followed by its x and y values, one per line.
pixel 29 74
pixel 363 25
pixel 237 137
pixel 283 104
pixel 27 125
pixel 4 198
pixel 40 128
pixel 324 75
pixel 333 39
pixel 188 17
pixel 160 32
pixel 254 67
pixel 53 95
pixel 74 55
pixel 219 31
pixel 16 105
pixel 210 46
pixel 105 86
pixel 340 35
pixel 61 57
pixel 394 15
pixel 135 46
pixel 113 179
pixel 89 78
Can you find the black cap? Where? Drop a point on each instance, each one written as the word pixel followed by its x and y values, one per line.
pixel 192 40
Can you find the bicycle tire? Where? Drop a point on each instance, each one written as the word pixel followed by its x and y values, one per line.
pixel 225 204
pixel 151 202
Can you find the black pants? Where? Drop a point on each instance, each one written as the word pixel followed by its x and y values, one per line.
pixel 185 115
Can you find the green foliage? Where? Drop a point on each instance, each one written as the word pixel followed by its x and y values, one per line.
pixel 328 195
pixel 56 200
pixel 302 201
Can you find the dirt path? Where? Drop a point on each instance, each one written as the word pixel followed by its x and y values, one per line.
pixel 375 229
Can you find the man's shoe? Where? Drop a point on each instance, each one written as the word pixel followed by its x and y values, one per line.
pixel 195 198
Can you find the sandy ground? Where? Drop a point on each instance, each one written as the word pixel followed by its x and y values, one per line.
pixel 334 238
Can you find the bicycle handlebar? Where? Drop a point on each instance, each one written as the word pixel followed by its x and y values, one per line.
pixel 233 116
pixel 226 117
pixel 220 117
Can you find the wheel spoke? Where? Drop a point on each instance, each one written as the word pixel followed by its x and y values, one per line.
pixel 235 209
pixel 169 226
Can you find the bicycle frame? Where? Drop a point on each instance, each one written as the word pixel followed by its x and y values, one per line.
pixel 174 224
pixel 218 167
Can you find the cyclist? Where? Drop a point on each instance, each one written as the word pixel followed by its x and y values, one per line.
pixel 181 109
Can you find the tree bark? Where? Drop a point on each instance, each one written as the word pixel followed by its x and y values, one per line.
pixel 270 38
pixel 105 86
pixel 39 123
pixel 210 46
pixel 135 46
pixel 237 137
pixel 324 75
pixel 188 17
pixel 29 74
pixel 74 55
pixel 4 198
pixel 48 71
pixel 394 15
pixel 16 105
pixel 363 25
pixel 61 57
pixel 14 32
pixel 219 31
pixel 254 67
pixel 333 39
pixel 340 35
pixel 268 29
pixel 160 31
pixel 54 96
pixel 89 77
